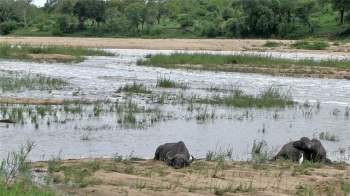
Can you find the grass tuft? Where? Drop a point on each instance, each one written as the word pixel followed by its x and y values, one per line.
pixel 328 136
pixel 18 82
pixel 267 99
pixel 134 88
pixel 164 82
pixel 310 45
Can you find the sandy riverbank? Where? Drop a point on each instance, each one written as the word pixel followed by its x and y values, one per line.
pixel 165 44
pixel 147 177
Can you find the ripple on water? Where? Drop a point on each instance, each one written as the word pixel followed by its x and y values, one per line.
pixel 100 77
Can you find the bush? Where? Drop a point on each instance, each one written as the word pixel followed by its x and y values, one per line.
pixel 67 24
pixel 7 27
pixel 116 22
pixel 209 29
pixel 284 29
pixel 156 30
pixel 47 26
pixel 185 20
pixel 233 28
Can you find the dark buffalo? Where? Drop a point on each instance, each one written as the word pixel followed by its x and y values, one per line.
pixel 311 150
pixel 314 150
pixel 291 152
pixel 174 154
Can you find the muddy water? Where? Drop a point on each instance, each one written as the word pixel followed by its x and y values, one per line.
pixel 100 78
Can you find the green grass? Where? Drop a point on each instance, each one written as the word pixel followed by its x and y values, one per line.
pixel 259 153
pixel 25 52
pixel 271 97
pixel 15 175
pixel 23 188
pixel 134 88
pixel 18 82
pixel 226 62
pixel 310 45
pixel 164 82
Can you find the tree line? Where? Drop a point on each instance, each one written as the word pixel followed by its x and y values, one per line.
pixel 177 18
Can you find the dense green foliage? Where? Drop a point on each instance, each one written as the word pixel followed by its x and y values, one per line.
pixel 177 18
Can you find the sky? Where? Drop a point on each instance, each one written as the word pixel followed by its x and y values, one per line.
pixel 39 2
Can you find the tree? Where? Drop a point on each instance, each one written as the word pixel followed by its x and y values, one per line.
pixel 115 20
pixel 66 7
pixel 342 6
pixel 148 12
pixel 7 11
pixel 66 23
pixel 161 9
pixel 90 9
pixel 259 17
pixel 306 8
pixel 25 5
pixel 134 13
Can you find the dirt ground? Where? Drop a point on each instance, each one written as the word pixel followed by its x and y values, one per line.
pixel 165 44
pixel 38 101
pixel 107 177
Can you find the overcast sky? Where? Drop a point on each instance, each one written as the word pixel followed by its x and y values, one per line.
pixel 39 2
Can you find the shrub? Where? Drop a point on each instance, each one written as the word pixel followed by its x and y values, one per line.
pixel 67 24
pixel 185 20
pixel 209 29
pixel 8 27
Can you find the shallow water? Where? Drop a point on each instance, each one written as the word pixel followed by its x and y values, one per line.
pixel 100 78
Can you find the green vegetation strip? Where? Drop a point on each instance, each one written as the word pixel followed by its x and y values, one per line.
pixel 24 188
pixel 177 18
pixel 225 62
pixel 18 82
pixel 271 97
pixel 310 45
pixel 63 53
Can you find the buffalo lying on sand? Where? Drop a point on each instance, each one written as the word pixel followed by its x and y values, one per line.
pixel 174 154
pixel 311 150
